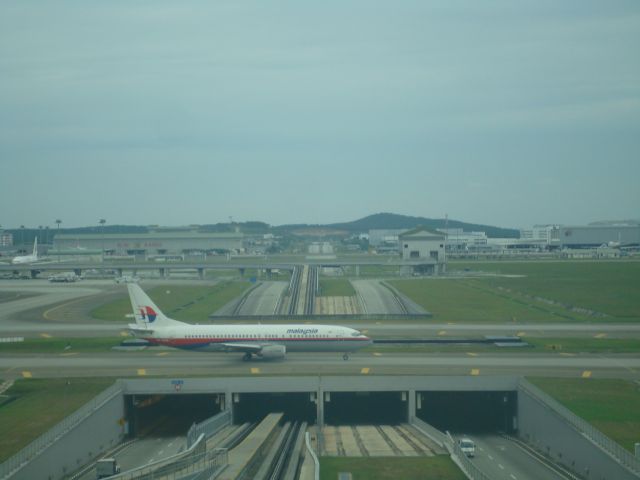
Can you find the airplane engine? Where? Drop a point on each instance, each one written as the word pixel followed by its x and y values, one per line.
pixel 273 351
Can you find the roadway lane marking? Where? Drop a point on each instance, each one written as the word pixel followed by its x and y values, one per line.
pixel 142 372
pixel 475 371
pixel 162 354
pixel 600 335
pixel 586 374
pixel 513 476
pixel 442 332
pixel 46 314
pixel 500 466
pixel 45 335
pixel 26 374
pixel 471 354
pixel 365 371
pixel 490 458
pixel 255 371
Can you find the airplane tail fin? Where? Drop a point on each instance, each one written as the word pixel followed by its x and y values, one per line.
pixel 35 247
pixel 147 313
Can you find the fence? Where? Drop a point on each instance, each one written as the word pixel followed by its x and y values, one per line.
pixel 470 468
pixel 37 446
pixel 208 427
pixel 620 454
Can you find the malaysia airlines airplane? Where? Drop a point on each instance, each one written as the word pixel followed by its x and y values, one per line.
pixel 263 341
pixel 23 259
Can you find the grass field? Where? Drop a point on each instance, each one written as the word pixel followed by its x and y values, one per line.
pixel 537 292
pixel 336 287
pixel 61 345
pixel 182 302
pixel 391 468
pixel 37 405
pixel 609 405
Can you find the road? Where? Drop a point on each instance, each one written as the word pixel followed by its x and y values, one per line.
pixel 501 459
pixel 178 363
pixel 375 297
pixel 264 299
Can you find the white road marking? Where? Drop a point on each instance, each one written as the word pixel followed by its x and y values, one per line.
pixel 490 457
pixel 514 477
pixel 500 466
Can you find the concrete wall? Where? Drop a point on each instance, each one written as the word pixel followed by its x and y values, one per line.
pixel 549 433
pixel 96 434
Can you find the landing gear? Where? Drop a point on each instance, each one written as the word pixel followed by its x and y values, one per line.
pixel 345 357
pixel 246 357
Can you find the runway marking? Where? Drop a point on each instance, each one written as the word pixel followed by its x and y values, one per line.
pixel 378 323
pixel 46 314
pixel 162 354
pixel 45 335
pixel 521 334
pixel 475 371
pixel 142 372
pixel 26 374
pixel 451 323
pixel 586 374
pixel 70 354
pixel 562 354
pixel 255 370
pixel 124 334
pixel 600 335
pixel 442 332
pixel 364 331
pixel 377 354
pixel 471 354
pixel 365 371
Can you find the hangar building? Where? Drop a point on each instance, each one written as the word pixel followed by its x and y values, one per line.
pixel 152 243
pixel 596 235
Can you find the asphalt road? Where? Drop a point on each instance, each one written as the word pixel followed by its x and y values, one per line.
pixel 179 363
pixel 501 459
pixel 375 297
pixel 263 300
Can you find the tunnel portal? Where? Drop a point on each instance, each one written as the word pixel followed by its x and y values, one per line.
pixel 165 415
pixel 253 407
pixel 358 408
pixel 477 412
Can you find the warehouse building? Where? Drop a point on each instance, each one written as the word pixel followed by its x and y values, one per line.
pixel 596 235
pixel 153 243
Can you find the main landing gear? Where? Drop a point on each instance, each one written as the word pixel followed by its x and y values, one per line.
pixel 345 357
pixel 246 357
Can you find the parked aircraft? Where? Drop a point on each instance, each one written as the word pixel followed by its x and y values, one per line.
pixel 26 259
pixel 263 341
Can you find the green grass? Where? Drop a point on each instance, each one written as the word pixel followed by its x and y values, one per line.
pixel 585 345
pixel 548 292
pixel 608 287
pixel 38 404
pixel 391 468
pixel 609 405
pixel 186 303
pixel 59 345
pixel 336 287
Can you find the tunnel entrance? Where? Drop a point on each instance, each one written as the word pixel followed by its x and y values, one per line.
pixel 472 412
pixel 168 415
pixel 253 407
pixel 358 408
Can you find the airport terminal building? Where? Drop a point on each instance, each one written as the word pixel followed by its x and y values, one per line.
pixel 153 243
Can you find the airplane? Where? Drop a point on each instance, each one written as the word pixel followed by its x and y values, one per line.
pixel 26 259
pixel 263 341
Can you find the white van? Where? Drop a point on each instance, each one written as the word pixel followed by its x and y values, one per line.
pixel 467 446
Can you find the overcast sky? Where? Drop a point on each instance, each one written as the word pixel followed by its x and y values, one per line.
pixel 507 113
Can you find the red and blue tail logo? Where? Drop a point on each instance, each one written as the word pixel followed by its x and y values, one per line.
pixel 148 314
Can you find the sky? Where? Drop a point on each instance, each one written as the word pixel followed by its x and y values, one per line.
pixel 509 113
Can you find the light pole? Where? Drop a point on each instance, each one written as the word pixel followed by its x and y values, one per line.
pixel 102 222
pixel 22 236
pixel 58 222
